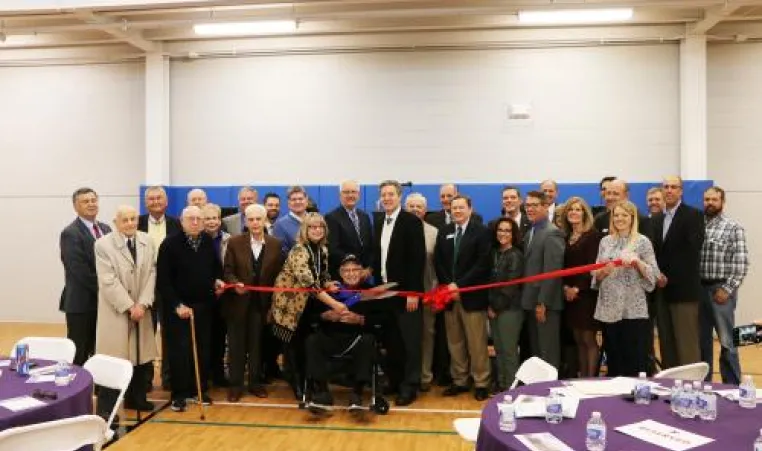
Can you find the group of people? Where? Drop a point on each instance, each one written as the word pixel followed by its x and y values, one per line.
pixel 673 267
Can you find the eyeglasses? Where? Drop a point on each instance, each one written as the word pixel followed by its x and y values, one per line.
pixel 350 191
pixel 504 231
pixel 671 186
pixel 532 205
pixel 350 270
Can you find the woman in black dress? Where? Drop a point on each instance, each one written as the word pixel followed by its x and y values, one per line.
pixel 582 240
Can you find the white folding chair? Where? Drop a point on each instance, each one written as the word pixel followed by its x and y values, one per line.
pixel 67 434
pixel 114 373
pixel 691 372
pixel 48 348
pixel 467 428
pixel 533 370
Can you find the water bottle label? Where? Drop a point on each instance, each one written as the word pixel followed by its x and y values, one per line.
pixel 758 447
pixel 746 392
pixel 701 403
pixel 595 433
pixel 554 408
pixel 643 391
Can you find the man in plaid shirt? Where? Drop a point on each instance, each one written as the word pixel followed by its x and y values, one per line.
pixel 724 264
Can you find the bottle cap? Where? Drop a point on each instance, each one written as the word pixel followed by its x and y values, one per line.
pixel 707 387
pixel 678 382
pixel 596 414
pixel 508 399
pixel 642 374
pixel 687 386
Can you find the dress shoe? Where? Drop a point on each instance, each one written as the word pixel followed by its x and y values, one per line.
pixel 234 394
pixel 405 399
pixel 142 405
pixel 454 390
pixel 425 387
pixel 258 390
pixel 481 393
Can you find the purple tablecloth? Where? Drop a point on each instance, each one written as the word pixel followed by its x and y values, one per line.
pixel 73 400
pixel 734 430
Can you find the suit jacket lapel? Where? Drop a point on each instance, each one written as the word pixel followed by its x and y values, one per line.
pixel 120 244
pixel 84 230
pixel 675 220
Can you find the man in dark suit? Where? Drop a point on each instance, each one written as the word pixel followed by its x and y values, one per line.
pixel 349 230
pixel 512 208
pixel 235 224
pixel 544 248
pixel 604 183
pixel 617 190
pixel 79 299
pixel 443 217
pixel 678 237
pixel 251 259
pixel 158 225
pixel 400 256
pixel 550 189
pixel 461 258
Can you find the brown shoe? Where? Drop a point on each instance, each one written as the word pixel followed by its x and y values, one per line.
pixel 234 394
pixel 258 390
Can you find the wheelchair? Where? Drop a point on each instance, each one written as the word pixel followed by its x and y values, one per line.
pixel 378 403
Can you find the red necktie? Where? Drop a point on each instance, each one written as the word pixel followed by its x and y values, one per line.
pixel 97 231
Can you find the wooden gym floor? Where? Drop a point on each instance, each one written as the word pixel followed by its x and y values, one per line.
pixel 276 424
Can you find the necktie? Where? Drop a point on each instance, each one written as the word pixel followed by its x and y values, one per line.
pixel 97 231
pixel 667 223
pixel 356 223
pixel 388 220
pixel 531 235
pixel 458 236
pixel 448 218
pixel 133 251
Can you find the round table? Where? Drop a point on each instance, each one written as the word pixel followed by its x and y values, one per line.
pixel 73 400
pixel 734 429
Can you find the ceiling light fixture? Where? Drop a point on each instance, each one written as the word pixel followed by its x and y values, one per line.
pixel 245 28
pixel 575 16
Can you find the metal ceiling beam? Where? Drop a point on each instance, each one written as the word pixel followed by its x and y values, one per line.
pixel 117 29
pixel 712 17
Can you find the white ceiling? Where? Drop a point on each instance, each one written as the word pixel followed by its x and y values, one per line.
pixel 146 27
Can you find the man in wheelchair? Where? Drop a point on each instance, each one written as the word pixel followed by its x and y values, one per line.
pixel 344 336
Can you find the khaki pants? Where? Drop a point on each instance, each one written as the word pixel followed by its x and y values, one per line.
pixel 429 333
pixel 467 340
pixel 678 326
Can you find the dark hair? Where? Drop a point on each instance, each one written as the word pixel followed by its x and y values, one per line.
pixel 269 195
pixel 515 231
pixel 719 190
pixel 511 187
pixel 80 192
pixel 394 183
pixel 604 180
pixel 312 206
pixel 538 195
pixel 464 197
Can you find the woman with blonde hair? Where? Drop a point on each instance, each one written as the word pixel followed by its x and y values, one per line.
pixel 582 241
pixel 622 292
pixel 306 267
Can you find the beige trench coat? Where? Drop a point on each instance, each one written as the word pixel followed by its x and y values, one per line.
pixel 121 284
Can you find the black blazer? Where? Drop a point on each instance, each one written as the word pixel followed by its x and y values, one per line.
pixel 679 253
pixel 406 256
pixel 473 265
pixel 437 218
pixel 173 224
pixel 343 240
pixel 80 293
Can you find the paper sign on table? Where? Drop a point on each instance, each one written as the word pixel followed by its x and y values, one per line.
pixel 534 406
pixel 4 363
pixel 50 369
pixel 608 387
pixel 41 379
pixel 544 441
pixel 732 394
pixel 663 435
pixel 21 403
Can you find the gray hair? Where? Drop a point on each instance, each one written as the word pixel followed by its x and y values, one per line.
pixel 187 211
pixel 416 196
pixel 255 208
pixel 196 191
pixel 211 206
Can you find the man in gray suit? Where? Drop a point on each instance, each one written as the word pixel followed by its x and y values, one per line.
pixel 236 224
pixel 543 301
pixel 79 299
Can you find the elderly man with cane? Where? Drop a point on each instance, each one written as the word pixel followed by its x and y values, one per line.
pixel 124 262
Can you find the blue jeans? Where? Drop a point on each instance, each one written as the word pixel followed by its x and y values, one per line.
pixel 720 317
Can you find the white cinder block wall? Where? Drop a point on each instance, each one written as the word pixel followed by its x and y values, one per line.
pixel 60 128
pixel 426 117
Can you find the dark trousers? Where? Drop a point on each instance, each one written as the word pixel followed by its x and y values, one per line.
pixel 270 349
pixel 179 347
pixel 525 349
pixel 217 342
pixel 544 338
pixel 136 391
pixel 295 355
pixel 406 354
pixel 441 364
pixel 245 342
pixel 157 312
pixel 80 328
pixel 626 344
pixel 322 348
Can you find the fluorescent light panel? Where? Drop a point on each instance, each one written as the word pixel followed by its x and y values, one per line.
pixel 575 16
pixel 245 28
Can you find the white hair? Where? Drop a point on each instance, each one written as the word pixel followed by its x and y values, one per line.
pixel 247 189
pixel 196 191
pixel 255 208
pixel 187 211
pixel 416 196
pixel 124 210
pixel 354 182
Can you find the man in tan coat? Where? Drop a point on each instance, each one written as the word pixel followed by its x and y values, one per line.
pixel 125 264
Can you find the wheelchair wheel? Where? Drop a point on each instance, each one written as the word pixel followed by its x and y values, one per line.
pixel 381 406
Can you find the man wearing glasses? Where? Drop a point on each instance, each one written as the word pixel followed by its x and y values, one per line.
pixel 349 230
pixel 543 301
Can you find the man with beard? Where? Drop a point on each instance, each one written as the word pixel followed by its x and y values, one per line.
pixel 272 205
pixel 724 264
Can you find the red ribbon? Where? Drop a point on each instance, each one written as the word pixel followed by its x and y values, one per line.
pixel 441 296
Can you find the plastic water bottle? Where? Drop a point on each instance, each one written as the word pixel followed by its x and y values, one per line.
pixel 747 393
pixel 553 408
pixel 708 404
pixel 642 390
pixel 507 413
pixel 674 398
pixel 687 401
pixel 62 374
pixel 596 433
pixel 696 399
pixel 758 442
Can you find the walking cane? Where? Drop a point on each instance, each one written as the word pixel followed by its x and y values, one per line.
pixel 195 364
pixel 137 351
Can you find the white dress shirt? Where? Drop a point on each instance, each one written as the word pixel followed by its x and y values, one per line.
pixel 386 236
pixel 256 247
